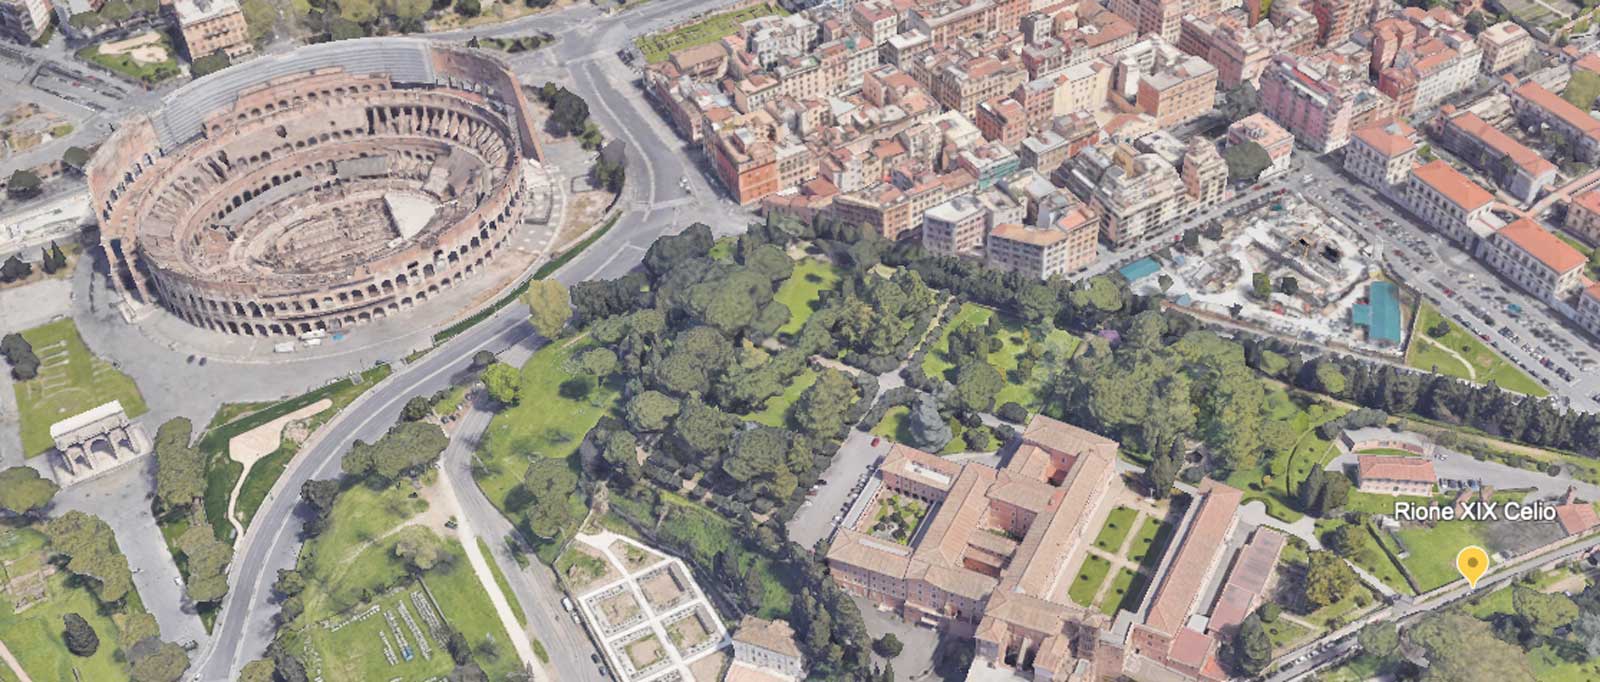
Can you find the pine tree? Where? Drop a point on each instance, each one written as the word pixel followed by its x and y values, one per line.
pixel 46 262
pixel 1311 491
pixel 57 256
pixel 1163 470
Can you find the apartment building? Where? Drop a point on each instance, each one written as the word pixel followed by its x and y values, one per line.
pixel 877 20
pixel 1179 89
pixel 1534 104
pixel 1081 88
pixel 1043 151
pixel 1423 74
pixel 1320 99
pixel 1520 171
pixel 1064 246
pixel 1204 173
pixel 955 227
pixel 1135 195
pixel 1337 19
pixel 772 39
pixel 1002 120
pixel 988 162
pixel 25 21
pixel 1535 260
pixel 1382 155
pixel 1241 52
pixel 210 26
pixel 962 86
pixel 1262 130
pixel 1163 18
pixel 1099 33
pixel 1451 203
pixel 945 21
pixel 1583 216
pixel 1589 309
pixel 744 157
pixel 1504 45
pixel 770 646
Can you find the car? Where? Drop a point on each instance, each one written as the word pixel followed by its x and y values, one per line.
pixel 876 440
pixel 594 658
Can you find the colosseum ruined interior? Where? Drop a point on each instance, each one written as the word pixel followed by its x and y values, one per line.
pixel 316 190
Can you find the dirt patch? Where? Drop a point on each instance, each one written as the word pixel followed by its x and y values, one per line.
pixel 662 589
pixel 709 668
pixel 265 439
pixel 582 211
pixel 633 557
pixel 144 49
pixel 688 633
pixel 619 608
pixel 588 567
pixel 645 653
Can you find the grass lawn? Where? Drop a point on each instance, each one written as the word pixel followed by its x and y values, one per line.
pixel 656 47
pixel 1358 669
pixel 1486 364
pixel 545 422
pixel 1154 534
pixel 705 533
pixel 1284 633
pixel 776 411
pixel 893 424
pixel 1087 584
pixel 1122 592
pixel 803 289
pixel 1433 550
pixel 1118 523
pixel 1014 344
pixel 127 66
pixel 34 636
pixel 1275 478
pixel 1372 559
pixel 71 381
pixel 1547 667
pixel 351 567
pixel 503 584
pixel 1593 268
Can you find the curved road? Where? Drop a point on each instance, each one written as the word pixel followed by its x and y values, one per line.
pixel 586 49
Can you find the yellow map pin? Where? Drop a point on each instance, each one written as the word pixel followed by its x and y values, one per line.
pixel 1472 562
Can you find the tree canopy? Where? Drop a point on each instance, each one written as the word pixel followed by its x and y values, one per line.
pixel 24 491
pixel 403 450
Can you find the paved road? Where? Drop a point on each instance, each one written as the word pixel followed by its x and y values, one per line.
pixel 1420 257
pixel 245 626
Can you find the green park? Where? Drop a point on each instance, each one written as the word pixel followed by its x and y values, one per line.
pixel 71 380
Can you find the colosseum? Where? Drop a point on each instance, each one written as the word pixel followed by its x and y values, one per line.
pixel 316 190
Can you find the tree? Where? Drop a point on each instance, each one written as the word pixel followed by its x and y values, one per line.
pixel 1261 285
pixel 79 637
pixel 1311 490
pixel 503 382
pixel 92 554
pixel 1379 639
pixel 156 661
pixel 482 359
pixel 1335 492
pixel 207 560
pixel 25 183
pixel 1012 412
pixel 1476 22
pixel 1461 648
pixel 548 484
pixel 651 411
pixel 888 646
pixel 926 427
pixel 19 353
pixel 823 407
pixel 261 670
pixel 977 383
pixel 15 269
pixel 404 449
pixel 320 496
pixel 1252 649
pixel 1543 613
pixel 1328 578
pixel 209 64
pixel 1349 540
pixel 549 306
pixel 417 409
pixel 1246 161
pixel 1289 285
pixel 24 491
pixel 599 362
pixel 1163 471
pixel 180 467
pixel 420 548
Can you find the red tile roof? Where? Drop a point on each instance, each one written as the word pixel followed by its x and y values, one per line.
pixel 1454 186
pixel 1390 138
pixel 1392 468
pixel 1589 201
pixel 1552 103
pixel 1176 596
pixel 1527 159
pixel 1539 243
pixel 1577 517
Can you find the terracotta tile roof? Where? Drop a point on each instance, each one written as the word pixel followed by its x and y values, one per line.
pixel 1588 201
pixel 1593 291
pixel 772 635
pixel 1395 468
pixel 1252 568
pixel 1197 556
pixel 1390 138
pixel 931 470
pixel 1027 235
pixel 1191 648
pixel 1543 246
pixel 1589 62
pixel 1527 159
pixel 1552 103
pixel 1450 183
pixel 1577 517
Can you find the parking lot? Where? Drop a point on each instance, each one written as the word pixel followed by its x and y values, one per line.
pixel 841 483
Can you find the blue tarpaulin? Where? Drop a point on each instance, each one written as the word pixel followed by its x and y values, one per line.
pixel 1140 269
pixel 1380 314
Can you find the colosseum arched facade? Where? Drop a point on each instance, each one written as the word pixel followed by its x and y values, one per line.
pixel 316 190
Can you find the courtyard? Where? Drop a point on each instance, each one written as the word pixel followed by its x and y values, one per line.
pixel 71 380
